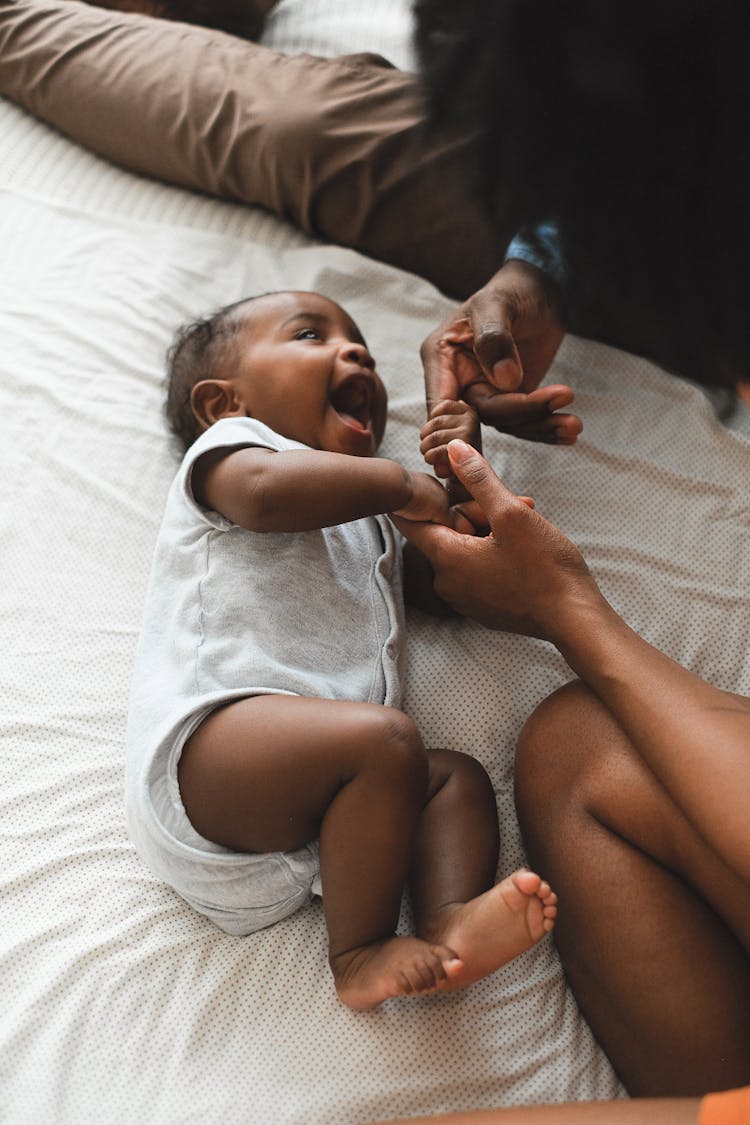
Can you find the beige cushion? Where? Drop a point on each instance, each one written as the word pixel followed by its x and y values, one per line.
pixel 334 145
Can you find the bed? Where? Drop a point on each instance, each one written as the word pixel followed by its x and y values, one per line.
pixel 119 1003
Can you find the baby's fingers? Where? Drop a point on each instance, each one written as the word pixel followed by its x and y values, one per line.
pixel 438 461
pixel 449 417
pixel 439 438
pixel 448 406
pixel 459 421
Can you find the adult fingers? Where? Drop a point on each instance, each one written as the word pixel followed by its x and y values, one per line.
pixel 535 416
pixel 480 480
pixel 439 360
pixel 518 407
pixel 560 429
pixel 470 518
pixel 491 315
pixel 429 538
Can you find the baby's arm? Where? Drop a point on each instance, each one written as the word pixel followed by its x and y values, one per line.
pixel 262 490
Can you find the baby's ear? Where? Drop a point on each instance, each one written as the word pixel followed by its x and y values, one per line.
pixel 212 399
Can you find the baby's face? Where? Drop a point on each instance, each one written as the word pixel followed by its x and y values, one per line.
pixel 301 366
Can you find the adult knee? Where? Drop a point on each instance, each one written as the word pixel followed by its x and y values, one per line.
pixel 558 752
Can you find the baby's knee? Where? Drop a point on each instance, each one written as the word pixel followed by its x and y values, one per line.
pixel 464 772
pixel 395 740
pixel 402 733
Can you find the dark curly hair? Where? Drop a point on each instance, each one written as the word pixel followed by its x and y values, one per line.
pixel 197 352
pixel 625 122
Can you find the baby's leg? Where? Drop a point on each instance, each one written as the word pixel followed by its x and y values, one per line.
pixel 272 773
pixel 453 877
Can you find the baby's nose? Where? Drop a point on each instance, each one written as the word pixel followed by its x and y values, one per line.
pixel 358 353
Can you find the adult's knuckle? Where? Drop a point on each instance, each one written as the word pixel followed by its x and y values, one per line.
pixel 474 473
pixel 427 347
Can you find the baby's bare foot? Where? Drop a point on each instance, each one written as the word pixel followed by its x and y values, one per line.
pixel 492 929
pixel 399 966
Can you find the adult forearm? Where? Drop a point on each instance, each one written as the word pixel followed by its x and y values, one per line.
pixel 693 736
pixel 528 578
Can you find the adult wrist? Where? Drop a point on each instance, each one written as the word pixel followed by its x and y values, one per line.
pixel 585 628
pixel 539 245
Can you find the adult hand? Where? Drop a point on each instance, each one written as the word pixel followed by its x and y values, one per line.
pixel 495 350
pixel 430 502
pixel 525 577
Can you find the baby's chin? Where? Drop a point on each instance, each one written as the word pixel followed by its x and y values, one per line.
pixel 371 452
pixel 354 444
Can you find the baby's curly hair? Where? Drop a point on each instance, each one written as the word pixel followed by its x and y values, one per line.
pixel 197 352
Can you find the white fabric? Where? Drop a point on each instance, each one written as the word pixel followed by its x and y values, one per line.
pixel 120 1004
pixel 232 613
pixel 334 27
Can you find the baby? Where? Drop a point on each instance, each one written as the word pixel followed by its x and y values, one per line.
pixel 268 759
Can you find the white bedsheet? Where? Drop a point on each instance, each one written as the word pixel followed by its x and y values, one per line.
pixel 118 1003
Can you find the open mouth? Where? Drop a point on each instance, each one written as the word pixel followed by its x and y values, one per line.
pixel 352 401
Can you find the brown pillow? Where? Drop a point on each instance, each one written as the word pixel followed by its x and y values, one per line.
pixel 333 145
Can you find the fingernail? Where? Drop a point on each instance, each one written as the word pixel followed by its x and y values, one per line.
pixel 460 450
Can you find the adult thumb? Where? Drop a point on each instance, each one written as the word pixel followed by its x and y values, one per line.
pixel 476 475
pixel 494 346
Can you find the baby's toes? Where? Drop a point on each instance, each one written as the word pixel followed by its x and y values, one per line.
pixel 528 882
pixel 433 968
pixel 421 977
pixel 408 982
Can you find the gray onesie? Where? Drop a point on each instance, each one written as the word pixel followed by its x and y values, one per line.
pixel 232 613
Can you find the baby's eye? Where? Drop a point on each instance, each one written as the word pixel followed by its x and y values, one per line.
pixel 307 334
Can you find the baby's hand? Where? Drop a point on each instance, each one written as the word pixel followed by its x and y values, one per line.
pixel 429 502
pixel 449 419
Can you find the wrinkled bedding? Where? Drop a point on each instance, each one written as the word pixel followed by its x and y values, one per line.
pixel 119 1003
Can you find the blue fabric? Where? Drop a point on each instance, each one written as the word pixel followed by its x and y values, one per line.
pixel 539 245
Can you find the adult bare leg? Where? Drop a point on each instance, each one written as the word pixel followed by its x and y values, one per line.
pixel 643 1111
pixel 663 972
